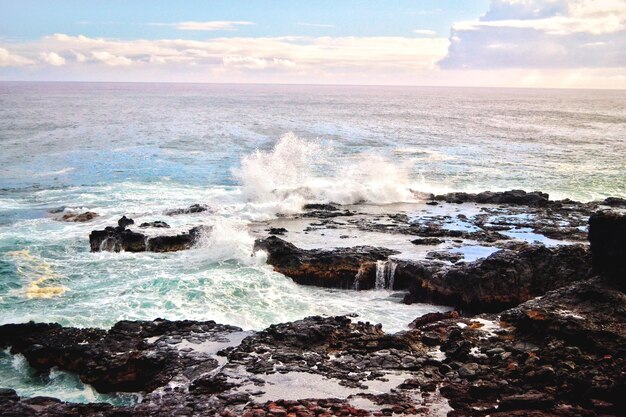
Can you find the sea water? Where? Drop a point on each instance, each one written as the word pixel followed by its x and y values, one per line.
pixel 252 153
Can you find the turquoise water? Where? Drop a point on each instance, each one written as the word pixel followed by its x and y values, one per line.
pixel 251 152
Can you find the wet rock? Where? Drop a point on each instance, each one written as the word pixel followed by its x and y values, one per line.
pixel 320 207
pixel 276 231
pixel 116 360
pixel 194 208
pixel 155 224
pixel 125 222
pixel 504 279
pixel 336 268
pixel 607 236
pixel 432 318
pixel 116 239
pixel 78 217
pixel 427 241
pixel 614 202
pixel 512 197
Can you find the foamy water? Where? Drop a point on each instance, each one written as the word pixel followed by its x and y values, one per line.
pixel 251 153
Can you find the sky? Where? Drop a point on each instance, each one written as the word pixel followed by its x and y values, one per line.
pixel 494 43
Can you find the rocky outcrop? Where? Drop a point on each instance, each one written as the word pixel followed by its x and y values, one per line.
pixel 607 236
pixel 116 239
pixel 78 217
pixel 128 357
pixel 504 279
pixel 336 268
pixel 194 208
pixel 156 224
pixel 512 197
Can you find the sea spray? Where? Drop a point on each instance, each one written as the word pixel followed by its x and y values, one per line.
pixel 297 171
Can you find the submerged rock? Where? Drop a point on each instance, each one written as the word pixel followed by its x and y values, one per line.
pixel 78 217
pixel 337 268
pixel 156 224
pixel 194 208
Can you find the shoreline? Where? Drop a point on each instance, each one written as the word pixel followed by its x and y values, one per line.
pixel 562 307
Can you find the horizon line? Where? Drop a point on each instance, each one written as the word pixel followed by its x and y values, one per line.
pixel 310 84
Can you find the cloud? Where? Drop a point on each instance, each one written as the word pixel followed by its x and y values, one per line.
pixel 52 58
pixel 541 34
pixel 213 25
pixel 286 53
pixel 8 59
pixel 425 32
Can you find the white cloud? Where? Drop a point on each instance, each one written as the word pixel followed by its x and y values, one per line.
pixel 425 32
pixel 110 59
pixel 206 26
pixel 8 59
pixel 52 58
pixel 542 34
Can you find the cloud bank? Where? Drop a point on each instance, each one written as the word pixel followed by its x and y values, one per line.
pixel 538 34
pixel 528 43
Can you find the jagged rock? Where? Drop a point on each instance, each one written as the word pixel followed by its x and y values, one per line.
pixel 607 236
pixel 194 208
pixel 504 279
pixel 335 268
pixel 116 360
pixel 513 197
pixel 125 222
pixel 155 224
pixel 116 239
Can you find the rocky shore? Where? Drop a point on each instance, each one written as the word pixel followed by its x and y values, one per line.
pixel 536 329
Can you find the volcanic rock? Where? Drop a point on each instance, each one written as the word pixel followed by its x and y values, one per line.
pixel 335 268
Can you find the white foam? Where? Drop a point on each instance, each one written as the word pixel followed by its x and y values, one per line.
pixel 297 171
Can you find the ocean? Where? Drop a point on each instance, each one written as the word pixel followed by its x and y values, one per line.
pixel 252 153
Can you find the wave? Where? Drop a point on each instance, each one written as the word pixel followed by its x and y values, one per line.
pixel 297 171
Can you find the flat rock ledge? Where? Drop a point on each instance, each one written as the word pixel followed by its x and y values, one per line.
pixel 504 279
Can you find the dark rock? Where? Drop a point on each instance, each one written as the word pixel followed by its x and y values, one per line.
pixel 78 218
pixel 513 197
pixel 614 202
pixel 427 241
pixel 504 279
pixel 125 222
pixel 156 224
pixel 320 207
pixel 114 360
pixel 432 318
pixel 277 231
pixel 116 239
pixel 336 268
pixel 527 401
pixel 194 208
pixel 607 236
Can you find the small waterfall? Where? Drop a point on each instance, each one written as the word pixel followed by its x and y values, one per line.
pixel 385 274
